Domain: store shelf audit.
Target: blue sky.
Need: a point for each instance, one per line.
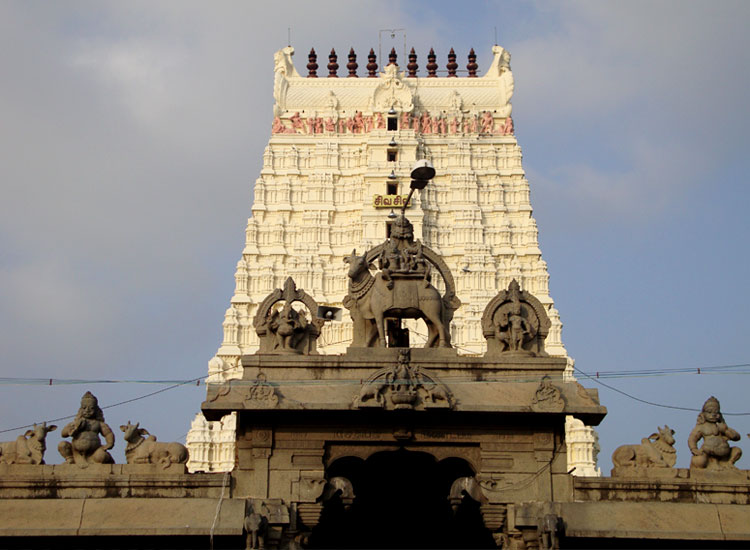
(132, 134)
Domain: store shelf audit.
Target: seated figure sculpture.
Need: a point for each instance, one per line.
(86, 447)
(715, 453)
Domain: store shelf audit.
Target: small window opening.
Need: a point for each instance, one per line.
(391, 189)
(388, 229)
(391, 156)
(392, 123)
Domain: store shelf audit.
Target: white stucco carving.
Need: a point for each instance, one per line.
(328, 156)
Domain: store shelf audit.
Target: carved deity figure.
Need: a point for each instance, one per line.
(402, 254)
(426, 123)
(487, 122)
(715, 453)
(359, 123)
(330, 125)
(297, 122)
(453, 125)
(506, 129)
(278, 126)
(288, 326)
(86, 447)
(405, 118)
(513, 330)
(379, 121)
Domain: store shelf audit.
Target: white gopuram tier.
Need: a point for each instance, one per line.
(338, 163)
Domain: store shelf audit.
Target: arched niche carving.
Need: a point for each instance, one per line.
(515, 323)
(287, 330)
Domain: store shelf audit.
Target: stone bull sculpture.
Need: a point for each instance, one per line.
(146, 450)
(655, 450)
(372, 299)
(27, 448)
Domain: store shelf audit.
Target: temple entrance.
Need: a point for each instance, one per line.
(401, 502)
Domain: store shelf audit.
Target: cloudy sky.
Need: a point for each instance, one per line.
(132, 132)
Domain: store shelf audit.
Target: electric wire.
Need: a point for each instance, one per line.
(484, 379)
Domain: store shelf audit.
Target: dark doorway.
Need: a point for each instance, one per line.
(401, 502)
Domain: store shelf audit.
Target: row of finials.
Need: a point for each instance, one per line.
(372, 66)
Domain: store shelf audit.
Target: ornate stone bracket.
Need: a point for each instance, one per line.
(286, 330)
(404, 387)
(392, 93)
(515, 323)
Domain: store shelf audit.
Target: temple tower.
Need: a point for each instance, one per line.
(336, 167)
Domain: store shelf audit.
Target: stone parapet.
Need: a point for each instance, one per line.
(667, 485)
(69, 481)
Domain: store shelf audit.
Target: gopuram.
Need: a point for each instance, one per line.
(337, 168)
(393, 442)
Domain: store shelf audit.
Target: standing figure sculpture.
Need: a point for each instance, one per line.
(715, 453)
(86, 447)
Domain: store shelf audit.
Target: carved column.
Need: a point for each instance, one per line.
(544, 446)
(262, 441)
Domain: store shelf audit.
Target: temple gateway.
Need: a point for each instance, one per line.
(392, 373)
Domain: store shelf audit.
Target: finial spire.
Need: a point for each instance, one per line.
(472, 65)
(312, 66)
(452, 65)
(432, 65)
(372, 66)
(392, 57)
(352, 65)
(333, 66)
(412, 66)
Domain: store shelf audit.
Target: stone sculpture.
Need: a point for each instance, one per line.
(261, 393)
(403, 386)
(86, 447)
(654, 451)
(255, 526)
(27, 448)
(286, 330)
(506, 129)
(547, 397)
(515, 323)
(715, 453)
(146, 450)
(401, 290)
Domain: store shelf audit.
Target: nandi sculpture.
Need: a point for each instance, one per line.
(27, 448)
(401, 290)
(146, 450)
(655, 451)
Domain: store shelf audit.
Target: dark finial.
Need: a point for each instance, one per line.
(392, 57)
(412, 66)
(352, 65)
(332, 65)
(372, 66)
(312, 66)
(452, 65)
(432, 65)
(472, 66)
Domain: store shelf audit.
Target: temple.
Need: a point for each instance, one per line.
(371, 392)
(335, 170)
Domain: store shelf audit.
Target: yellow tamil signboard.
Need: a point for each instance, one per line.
(390, 201)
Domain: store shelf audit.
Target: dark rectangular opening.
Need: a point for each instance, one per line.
(392, 123)
(391, 156)
(391, 189)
